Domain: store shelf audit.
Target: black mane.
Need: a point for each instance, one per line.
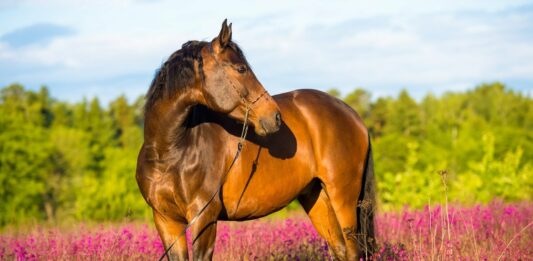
(178, 71)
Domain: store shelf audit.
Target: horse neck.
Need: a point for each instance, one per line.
(165, 129)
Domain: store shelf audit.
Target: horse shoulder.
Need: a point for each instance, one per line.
(155, 184)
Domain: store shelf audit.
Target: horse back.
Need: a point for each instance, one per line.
(338, 135)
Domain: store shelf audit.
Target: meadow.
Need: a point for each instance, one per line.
(497, 231)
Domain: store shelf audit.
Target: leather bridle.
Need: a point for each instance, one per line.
(248, 104)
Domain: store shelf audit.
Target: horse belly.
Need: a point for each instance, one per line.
(261, 190)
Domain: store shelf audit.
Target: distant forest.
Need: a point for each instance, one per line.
(62, 161)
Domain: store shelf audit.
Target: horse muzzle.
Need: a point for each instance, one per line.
(269, 125)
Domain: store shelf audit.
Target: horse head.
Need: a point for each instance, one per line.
(230, 86)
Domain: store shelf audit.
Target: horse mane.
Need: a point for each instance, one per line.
(178, 71)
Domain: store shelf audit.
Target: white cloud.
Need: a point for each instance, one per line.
(380, 39)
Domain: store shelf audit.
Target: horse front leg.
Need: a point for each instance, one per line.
(170, 232)
(204, 231)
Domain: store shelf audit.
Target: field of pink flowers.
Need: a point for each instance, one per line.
(497, 231)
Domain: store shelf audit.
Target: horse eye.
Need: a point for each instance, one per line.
(242, 69)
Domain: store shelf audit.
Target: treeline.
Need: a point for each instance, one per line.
(479, 141)
(61, 161)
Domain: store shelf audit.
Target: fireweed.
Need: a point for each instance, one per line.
(497, 230)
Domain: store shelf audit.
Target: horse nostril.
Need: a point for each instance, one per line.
(278, 119)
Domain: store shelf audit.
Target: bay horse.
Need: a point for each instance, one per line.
(305, 145)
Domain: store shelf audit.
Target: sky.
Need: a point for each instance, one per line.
(108, 48)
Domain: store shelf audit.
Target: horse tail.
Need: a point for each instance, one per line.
(366, 208)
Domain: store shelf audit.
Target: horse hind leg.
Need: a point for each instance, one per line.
(343, 199)
(317, 206)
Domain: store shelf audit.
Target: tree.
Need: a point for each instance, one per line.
(404, 116)
(334, 92)
(359, 99)
(25, 157)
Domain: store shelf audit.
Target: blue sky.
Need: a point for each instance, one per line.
(107, 48)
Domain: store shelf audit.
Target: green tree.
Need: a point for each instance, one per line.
(334, 92)
(26, 156)
(359, 99)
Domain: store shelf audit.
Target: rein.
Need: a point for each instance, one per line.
(242, 138)
(244, 132)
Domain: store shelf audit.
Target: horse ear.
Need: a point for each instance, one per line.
(224, 37)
